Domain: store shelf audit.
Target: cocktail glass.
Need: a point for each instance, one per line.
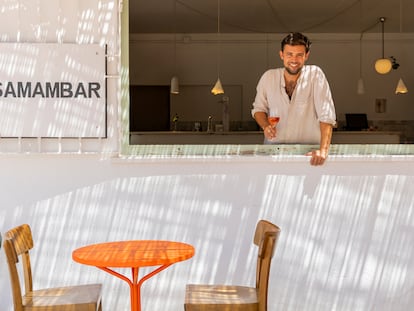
(273, 120)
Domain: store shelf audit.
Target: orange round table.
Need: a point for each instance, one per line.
(133, 254)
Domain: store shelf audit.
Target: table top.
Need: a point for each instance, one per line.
(134, 253)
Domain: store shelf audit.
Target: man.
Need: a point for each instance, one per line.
(300, 96)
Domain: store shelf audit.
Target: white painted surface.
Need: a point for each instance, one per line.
(347, 228)
(52, 90)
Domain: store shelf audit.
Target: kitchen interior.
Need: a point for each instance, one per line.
(179, 50)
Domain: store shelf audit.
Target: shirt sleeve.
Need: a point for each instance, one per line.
(324, 104)
(260, 102)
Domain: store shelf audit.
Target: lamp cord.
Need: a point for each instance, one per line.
(175, 37)
(382, 22)
(218, 38)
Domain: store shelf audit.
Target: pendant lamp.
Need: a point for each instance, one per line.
(360, 86)
(383, 65)
(174, 88)
(174, 85)
(218, 88)
(401, 88)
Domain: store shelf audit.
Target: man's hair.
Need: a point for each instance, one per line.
(296, 38)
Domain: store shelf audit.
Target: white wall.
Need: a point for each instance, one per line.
(347, 240)
(347, 227)
(244, 57)
(78, 21)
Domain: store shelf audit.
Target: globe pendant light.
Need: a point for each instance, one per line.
(383, 65)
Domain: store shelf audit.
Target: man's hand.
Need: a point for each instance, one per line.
(318, 157)
(269, 132)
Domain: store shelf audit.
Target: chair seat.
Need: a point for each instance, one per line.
(220, 297)
(71, 298)
(206, 297)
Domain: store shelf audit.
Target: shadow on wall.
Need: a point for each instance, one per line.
(343, 246)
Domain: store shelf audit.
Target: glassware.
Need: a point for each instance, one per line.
(273, 120)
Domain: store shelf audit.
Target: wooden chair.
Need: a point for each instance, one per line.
(17, 244)
(239, 298)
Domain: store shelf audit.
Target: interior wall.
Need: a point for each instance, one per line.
(244, 57)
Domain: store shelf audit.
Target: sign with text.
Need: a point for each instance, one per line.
(52, 90)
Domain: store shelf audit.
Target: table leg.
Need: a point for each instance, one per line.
(135, 284)
(135, 291)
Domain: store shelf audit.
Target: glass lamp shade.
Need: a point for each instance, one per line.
(218, 88)
(383, 66)
(175, 89)
(401, 88)
(360, 87)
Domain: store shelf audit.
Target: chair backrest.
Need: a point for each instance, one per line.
(265, 238)
(17, 243)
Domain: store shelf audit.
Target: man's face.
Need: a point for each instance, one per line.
(294, 58)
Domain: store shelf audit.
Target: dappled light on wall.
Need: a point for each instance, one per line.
(29, 27)
(339, 232)
(52, 90)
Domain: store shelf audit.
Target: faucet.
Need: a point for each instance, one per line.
(175, 122)
(210, 124)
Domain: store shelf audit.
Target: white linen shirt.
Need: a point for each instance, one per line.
(310, 104)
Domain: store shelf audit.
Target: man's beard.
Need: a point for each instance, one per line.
(293, 72)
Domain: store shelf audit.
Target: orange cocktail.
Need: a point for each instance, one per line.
(273, 121)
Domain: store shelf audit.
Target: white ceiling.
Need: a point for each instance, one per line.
(273, 16)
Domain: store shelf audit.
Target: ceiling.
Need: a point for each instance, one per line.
(270, 16)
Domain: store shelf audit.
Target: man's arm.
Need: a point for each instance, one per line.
(326, 136)
(318, 157)
(261, 119)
